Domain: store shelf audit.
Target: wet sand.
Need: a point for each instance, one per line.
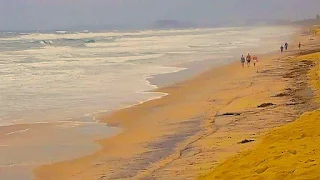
(198, 124)
(26, 146)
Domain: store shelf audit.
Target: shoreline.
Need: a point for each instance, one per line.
(18, 128)
(153, 81)
(33, 115)
(110, 154)
(15, 129)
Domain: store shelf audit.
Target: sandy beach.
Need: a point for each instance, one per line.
(198, 124)
(290, 151)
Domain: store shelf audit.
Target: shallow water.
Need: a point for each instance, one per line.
(23, 150)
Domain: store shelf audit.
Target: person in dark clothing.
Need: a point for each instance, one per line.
(286, 46)
(248, 59)
(299, 45)
(243, 60)
(281, 48)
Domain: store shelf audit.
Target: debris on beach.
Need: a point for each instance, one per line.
(265, 105)
(231, 114)
(283, 94)
(246, 141)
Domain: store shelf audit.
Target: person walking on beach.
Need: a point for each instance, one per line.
(281, 48)
(248, 59)
(255, 60)
(299, 45)
(243, 60)
(286, 46)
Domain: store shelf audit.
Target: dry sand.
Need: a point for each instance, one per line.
(291, 151)
(199, 124)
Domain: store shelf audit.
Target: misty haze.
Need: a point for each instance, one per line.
(58, 14)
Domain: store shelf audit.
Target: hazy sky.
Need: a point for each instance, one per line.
(51, 14)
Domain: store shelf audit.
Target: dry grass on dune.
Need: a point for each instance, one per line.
(288, 152)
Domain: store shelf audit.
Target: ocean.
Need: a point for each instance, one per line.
(61, 76)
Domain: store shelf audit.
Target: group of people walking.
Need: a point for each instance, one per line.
(255, 58)
(286, 45)
(248, 60)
